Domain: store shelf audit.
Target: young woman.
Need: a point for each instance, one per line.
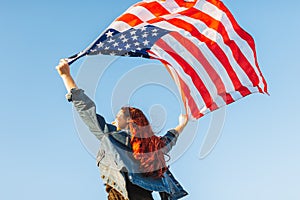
(131, 157)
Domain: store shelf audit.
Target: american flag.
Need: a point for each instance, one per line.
(210, 57)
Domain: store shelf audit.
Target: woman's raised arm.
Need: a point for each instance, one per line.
(63, 70)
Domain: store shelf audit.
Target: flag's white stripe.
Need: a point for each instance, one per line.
(197, 66)
(215, 63)
(209, 9)
(171, 6)
(144, 14)
(141, 12)
(120, 26)
(221, 16)
(188, 111)
(123, 26)
(194, 92)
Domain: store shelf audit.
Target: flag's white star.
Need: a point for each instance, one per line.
(109, 33)
(136, 44)
(138, 49)
(154, 34)
(143, 28)
(112, 53)
(135, 37)
(116, 44)
(120, 49)
(122, 36)
(100, 45)
(146, 42)
(127, 46)
(124, 40)
(106, 48)
(154, 30)
(132, 32)
(110, 40)
(145, 35)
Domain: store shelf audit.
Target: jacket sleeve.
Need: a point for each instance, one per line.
(170, 139)
(86, 109)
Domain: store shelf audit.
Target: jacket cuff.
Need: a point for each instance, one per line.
(71, 95)
(174, 132)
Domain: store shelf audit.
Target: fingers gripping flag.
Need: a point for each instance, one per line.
(210, 57)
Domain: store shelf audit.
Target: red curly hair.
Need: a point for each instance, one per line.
(145, 144)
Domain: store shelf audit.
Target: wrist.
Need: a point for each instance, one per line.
(65, 76)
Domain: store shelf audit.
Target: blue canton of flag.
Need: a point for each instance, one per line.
(133, 42)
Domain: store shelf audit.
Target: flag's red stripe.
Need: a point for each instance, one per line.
(194, 50)
(215, 49)
(236, 52)
(242, 33)
(188, 69)
(183, 3)
(154, 7)
(130, 19)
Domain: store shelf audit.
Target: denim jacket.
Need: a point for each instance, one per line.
(115, 157)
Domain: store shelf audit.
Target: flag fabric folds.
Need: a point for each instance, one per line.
(210, 57)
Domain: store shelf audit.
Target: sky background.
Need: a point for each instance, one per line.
(42, 154)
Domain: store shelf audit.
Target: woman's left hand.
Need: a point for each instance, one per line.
(183, 120)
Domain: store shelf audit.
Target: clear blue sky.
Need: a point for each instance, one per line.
(42, 156)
